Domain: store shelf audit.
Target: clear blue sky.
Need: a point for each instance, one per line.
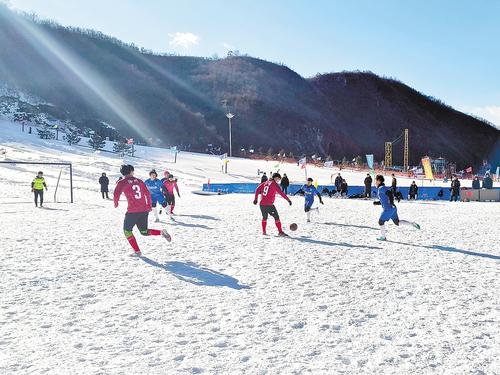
(449, 49)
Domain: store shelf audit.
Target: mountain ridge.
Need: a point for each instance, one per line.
(90, 78)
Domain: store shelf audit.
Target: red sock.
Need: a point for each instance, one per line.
(132, 241)
(172, 208)
(264, 224)
(154, 232)
(278, 225)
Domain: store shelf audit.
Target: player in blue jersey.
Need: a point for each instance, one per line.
(390, 212)
(309, 191)
(155, 187)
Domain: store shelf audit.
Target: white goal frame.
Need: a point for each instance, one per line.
(48, 163)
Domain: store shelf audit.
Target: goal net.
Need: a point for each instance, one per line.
(18, 175)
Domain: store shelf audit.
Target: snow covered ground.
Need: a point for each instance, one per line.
(222, 299)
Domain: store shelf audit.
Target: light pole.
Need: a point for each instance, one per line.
(229, 117)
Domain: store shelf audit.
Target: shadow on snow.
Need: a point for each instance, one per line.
(204, 217)
(52, 209)
(194, 274)
(351, 225)
(180, 223)
(451, 250)
(326, 243)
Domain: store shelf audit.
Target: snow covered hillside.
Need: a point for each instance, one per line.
(223, 299)
(193, 169)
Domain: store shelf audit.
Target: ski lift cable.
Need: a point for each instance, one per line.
(398, 138)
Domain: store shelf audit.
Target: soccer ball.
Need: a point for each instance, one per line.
(293, 227)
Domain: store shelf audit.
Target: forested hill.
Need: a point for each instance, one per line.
(87, 79)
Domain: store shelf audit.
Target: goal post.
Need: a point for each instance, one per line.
(52, 164)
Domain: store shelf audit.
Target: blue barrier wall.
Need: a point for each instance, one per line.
(427, 193)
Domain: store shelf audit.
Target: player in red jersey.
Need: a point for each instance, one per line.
(169, 185)
(268, 190)
(139, 205)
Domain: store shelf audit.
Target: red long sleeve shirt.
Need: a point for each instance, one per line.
(170, 186)
(136, 192)
(268, 190)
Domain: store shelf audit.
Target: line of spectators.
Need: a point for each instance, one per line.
(487, 182)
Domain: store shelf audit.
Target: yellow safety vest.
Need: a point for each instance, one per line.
(38, 183)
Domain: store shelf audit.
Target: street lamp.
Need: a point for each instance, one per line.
(229, 117)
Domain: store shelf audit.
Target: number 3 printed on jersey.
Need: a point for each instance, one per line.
(137, 190)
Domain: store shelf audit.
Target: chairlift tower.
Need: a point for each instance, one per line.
(388, 155)
(406, 152)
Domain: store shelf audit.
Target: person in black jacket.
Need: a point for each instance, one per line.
(285, 182)
(475, 183)
(104, 182)
(338, 183)
(487, 182)
(264, 178)
(394, 184)
(343, 188)
(455, 189)
(413, 194)
(368, 186)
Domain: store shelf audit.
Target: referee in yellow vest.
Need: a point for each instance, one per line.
(37, 187)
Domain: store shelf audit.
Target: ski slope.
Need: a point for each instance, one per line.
(223, 299)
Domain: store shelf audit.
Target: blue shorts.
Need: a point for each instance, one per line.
(307, 205)
(389, 214)
(158, 199)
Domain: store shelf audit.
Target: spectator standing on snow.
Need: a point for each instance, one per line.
(343, 188)
(394, 184)
(104, 182)
(264, 178)
(455, 189)
(285, 183)
(338, 183)
(368, 186)
(37, 186)
(487, 182)
(413, 194)
(476, 184)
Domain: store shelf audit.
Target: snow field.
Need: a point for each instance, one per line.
(223, 299)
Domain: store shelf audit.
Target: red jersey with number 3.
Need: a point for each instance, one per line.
(136, 192)
(268, 191)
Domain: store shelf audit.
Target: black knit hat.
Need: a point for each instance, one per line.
(126, 169)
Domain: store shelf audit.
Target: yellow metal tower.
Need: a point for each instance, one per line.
(406, 152)
(388, 155)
